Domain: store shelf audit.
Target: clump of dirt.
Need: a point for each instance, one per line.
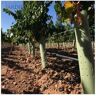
(22, 74)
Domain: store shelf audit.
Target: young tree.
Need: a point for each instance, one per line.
(34, 18)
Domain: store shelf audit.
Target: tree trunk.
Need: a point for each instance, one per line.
(85, 55)
(42, 53)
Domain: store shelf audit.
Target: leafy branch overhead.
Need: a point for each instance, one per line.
(67, 10)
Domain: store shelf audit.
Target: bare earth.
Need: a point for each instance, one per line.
(22, 74)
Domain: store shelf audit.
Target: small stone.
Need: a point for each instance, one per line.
(3, 87)
(14, 83)
(56, 86)
(68, 75)
(11, 72)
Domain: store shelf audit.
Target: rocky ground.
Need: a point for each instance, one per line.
(22, 74)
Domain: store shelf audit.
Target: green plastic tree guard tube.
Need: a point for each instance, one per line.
(43, 55)
(85, 55)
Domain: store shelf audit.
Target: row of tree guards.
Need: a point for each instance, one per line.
(63, 45)
(33, 24)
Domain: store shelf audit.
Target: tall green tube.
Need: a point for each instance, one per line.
(43, 54)
(85, 55)
(28, 48)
